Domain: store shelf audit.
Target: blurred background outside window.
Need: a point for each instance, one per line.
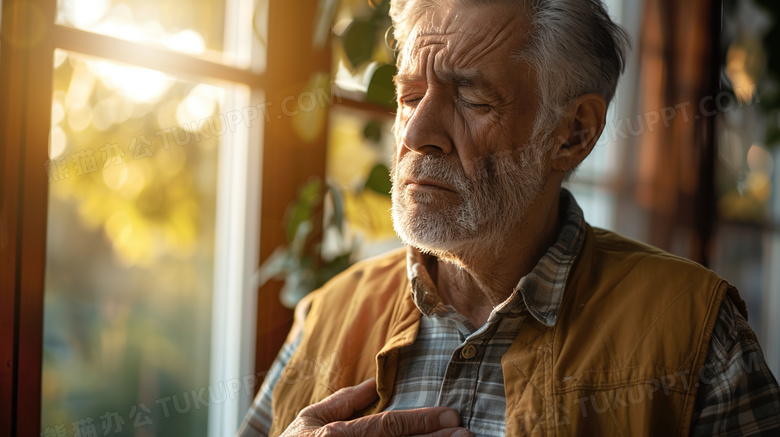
(150, 221)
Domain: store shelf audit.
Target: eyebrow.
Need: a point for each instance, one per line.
(461, 79)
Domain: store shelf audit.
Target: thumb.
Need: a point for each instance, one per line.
(344, 403)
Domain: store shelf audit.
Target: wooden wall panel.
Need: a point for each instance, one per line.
(288, 159)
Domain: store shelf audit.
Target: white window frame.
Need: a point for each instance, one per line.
(237, 248)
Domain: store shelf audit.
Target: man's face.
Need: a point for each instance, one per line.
(465, 167)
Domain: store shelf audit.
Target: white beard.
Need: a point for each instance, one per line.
(484, 213)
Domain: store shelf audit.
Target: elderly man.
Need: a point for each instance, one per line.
(507, 314)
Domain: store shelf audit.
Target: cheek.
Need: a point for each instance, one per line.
(479, 137)
(398, 132)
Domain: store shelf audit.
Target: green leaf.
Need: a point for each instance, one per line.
(373, 131)
(338, 208)
(299, 213)
(381, 10)
(309, 196)
(275, 267)
(311, 192)
(379, 180)
(359, 39)
(297, 285)
(298, 243)
(381, 89)
(772, 136)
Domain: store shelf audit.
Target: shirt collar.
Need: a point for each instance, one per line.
(540, 291)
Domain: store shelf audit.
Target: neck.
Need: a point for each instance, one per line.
(474, 280)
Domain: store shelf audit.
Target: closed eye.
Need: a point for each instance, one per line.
(470, 104)
(411, 101)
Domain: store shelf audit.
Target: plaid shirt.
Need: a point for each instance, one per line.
(456, 365)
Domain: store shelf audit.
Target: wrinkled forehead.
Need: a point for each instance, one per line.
(469, 32)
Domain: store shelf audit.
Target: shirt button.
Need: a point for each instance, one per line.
(468, 352)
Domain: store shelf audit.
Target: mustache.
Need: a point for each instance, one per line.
(438, 168)
(515, 163)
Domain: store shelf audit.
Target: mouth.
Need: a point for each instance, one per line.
(428, 184)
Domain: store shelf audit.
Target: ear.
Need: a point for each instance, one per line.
(578, 132)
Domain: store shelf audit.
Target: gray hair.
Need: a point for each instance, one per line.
(574, 47)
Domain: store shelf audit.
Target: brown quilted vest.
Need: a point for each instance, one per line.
(622, 360)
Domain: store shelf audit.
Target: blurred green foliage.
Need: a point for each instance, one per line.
(367, 34)
(301, 264)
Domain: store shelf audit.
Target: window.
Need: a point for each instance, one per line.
(150, 240)
(594, 183)
(130, 224)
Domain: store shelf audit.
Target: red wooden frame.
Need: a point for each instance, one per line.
(25, 110)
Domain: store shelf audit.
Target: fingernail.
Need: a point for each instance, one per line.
(462, 433)
(448, 419)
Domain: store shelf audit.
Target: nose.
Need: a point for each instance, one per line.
(426, 130)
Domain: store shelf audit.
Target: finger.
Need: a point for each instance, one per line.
(410, 422)
(448, 432)
(344, 403)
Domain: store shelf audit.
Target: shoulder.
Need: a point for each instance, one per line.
(385, 263)
(613, 269)
(622, 259)
(646, 307)
(380, 268)
(376, 279)
(609, 243)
